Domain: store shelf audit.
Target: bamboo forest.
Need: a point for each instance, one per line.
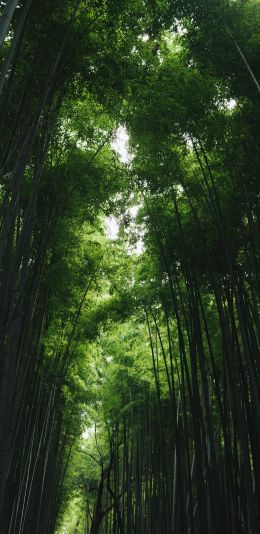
(129, 267)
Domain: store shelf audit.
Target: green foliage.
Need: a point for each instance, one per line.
(134, 375)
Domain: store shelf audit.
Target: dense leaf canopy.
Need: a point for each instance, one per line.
(129, 363)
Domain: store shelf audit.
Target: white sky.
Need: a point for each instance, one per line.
(89, 431)
(231, 104)
(120, 146)
(112, 227)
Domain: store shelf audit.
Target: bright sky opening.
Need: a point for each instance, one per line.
(112, 226)
(120, 145)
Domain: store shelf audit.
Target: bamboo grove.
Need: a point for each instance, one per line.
(129, 379)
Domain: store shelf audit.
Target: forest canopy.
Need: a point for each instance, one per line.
(129, 267)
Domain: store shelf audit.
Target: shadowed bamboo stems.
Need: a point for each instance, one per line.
(182, 424)
(213, 463)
